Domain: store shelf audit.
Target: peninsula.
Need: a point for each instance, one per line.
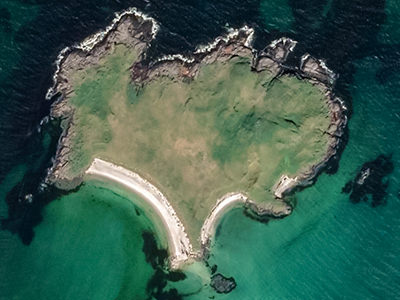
(193, 135)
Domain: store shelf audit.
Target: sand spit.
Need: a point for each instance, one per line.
(178, 242)
(180, 247)
(223, 204)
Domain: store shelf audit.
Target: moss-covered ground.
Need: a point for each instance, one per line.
(229, 129)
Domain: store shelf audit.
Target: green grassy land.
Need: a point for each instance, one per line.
(228, 130)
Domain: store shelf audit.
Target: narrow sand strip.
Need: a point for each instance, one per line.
(180, 246)
(223, 203)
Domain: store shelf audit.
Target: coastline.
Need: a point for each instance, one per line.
(236, 41)
(181, 250)
(224, 203)
(180, 247)
(92, 41)
(272, 58)
(223, 48)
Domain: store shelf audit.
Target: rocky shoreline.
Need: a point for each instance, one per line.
(130, 28)
(271, 58)
(133, 29)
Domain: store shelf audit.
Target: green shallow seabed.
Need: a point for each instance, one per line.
(89, 246)
(328, 248)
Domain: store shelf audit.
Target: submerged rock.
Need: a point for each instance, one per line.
(370, 182)
(222, 284)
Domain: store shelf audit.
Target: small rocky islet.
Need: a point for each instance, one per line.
(226, 118)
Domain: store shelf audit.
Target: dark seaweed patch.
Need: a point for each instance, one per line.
(346, 32)
(157, 258)
(214, 269)
(137, 211)
(26, 199)
(371, 181)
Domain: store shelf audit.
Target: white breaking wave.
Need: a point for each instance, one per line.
(283, 40)
(173, 57)
(232, 34)
(321, 63)
(90, 42)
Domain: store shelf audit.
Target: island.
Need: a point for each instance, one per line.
(195, 134)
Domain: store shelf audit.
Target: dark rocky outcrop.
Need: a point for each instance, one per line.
(222, 284)
(263, 213)
(370, 183)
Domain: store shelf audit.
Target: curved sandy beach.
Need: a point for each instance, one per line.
(223, 203)
(179, 244)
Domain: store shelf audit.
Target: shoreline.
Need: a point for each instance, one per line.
(224, 47)
(178, 241)
(211, 222)
(89, 43)
(179, 245)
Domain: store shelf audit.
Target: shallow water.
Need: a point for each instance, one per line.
(89, 246)
(328, 248)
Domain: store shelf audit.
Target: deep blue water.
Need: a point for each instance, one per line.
(330, 247)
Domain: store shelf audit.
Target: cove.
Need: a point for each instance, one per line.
(89, 246)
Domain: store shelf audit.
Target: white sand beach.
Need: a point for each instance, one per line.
(179, 244)
(223, 203)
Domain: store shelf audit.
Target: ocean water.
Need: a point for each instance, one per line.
(329, 248)
(90, 244)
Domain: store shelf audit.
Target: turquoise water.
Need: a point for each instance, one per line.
(328, 248)
(89, 244)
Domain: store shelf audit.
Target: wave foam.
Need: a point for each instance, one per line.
(232, 34)
(90, 42)
(283, 40)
